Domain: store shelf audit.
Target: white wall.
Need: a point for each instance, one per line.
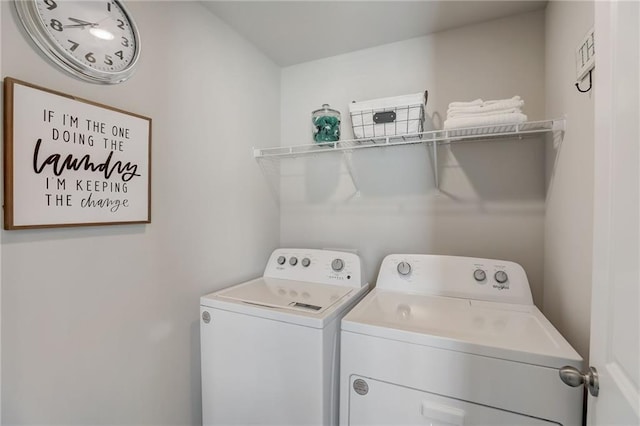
(1, 125)
(491, 202)
(569, 222)
(100, 324)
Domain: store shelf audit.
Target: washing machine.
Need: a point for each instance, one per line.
(270, 346)
(445, 340)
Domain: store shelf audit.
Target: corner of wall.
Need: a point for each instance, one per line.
(569, 177)
(1, 133)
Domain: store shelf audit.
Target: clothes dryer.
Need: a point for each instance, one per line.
(446, 340)
(270, 346)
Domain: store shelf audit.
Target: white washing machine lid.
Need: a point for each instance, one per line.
(506, 331)
(300, 302)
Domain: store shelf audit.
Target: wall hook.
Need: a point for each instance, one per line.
(590, 84)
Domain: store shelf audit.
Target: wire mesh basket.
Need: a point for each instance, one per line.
(395, 116)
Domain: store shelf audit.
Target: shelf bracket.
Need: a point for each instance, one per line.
(432, 152)
(434, 164)
(348, 161)
(558, 125)
(272, 176)
(558, 128)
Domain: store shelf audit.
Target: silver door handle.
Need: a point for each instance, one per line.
(574, 378)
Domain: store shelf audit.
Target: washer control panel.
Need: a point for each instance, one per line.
(318, 266)
(456, 276)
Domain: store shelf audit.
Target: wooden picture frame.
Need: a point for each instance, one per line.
(72, 162)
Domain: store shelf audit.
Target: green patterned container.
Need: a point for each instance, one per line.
(325, 124)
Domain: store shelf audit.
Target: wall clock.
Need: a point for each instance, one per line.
(96, 41)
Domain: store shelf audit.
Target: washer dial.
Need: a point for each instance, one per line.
(501, 277)
(479, 275)
(404, 268)
(337, 265)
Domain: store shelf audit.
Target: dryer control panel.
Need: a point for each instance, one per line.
(316, 266)
(456, 276)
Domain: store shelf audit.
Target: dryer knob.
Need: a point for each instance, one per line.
(306, 262)
(479, 275)
(293, 261)
(404, 268)
(281, 260)
(337, 265)
(501, 277)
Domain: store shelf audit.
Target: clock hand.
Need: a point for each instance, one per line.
(80, 23)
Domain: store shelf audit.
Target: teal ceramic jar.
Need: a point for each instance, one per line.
(326, 124)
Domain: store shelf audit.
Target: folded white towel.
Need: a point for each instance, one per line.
(515, 98)
(495, 107)
(476, 102)
(488, 120)
(513, 102)
(462, 114)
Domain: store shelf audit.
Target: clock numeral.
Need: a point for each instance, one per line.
(108, 6)
(74, 45)
(107, 60)
(50, 4)
(56, 25)
(125, 42)
(121, 24)
(119, 54)
(89, 57)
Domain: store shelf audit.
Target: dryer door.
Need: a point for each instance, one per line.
(372, 402)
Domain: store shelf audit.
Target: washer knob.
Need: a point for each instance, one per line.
(293, 261)
(337, 265)
(306, 262)
(479, 275)
(281, 260)
(501, 277)
(404, 268)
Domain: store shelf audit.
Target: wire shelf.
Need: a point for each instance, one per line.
(438, 137)
(431, 139)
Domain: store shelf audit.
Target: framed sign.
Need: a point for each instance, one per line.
(72, 162)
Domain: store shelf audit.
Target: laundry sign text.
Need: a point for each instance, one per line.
(72, 162)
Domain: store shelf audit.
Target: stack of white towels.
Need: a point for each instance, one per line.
(484, 113)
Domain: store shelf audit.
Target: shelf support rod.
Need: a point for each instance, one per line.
(434, 164)
(272, 184)
(349, 163)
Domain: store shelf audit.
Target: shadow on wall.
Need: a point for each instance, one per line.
(380, 172)
(500, 170)
(508, 170)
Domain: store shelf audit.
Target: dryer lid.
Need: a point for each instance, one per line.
(508, 331)
(287, 295)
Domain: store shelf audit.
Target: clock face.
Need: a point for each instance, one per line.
(94, 40)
